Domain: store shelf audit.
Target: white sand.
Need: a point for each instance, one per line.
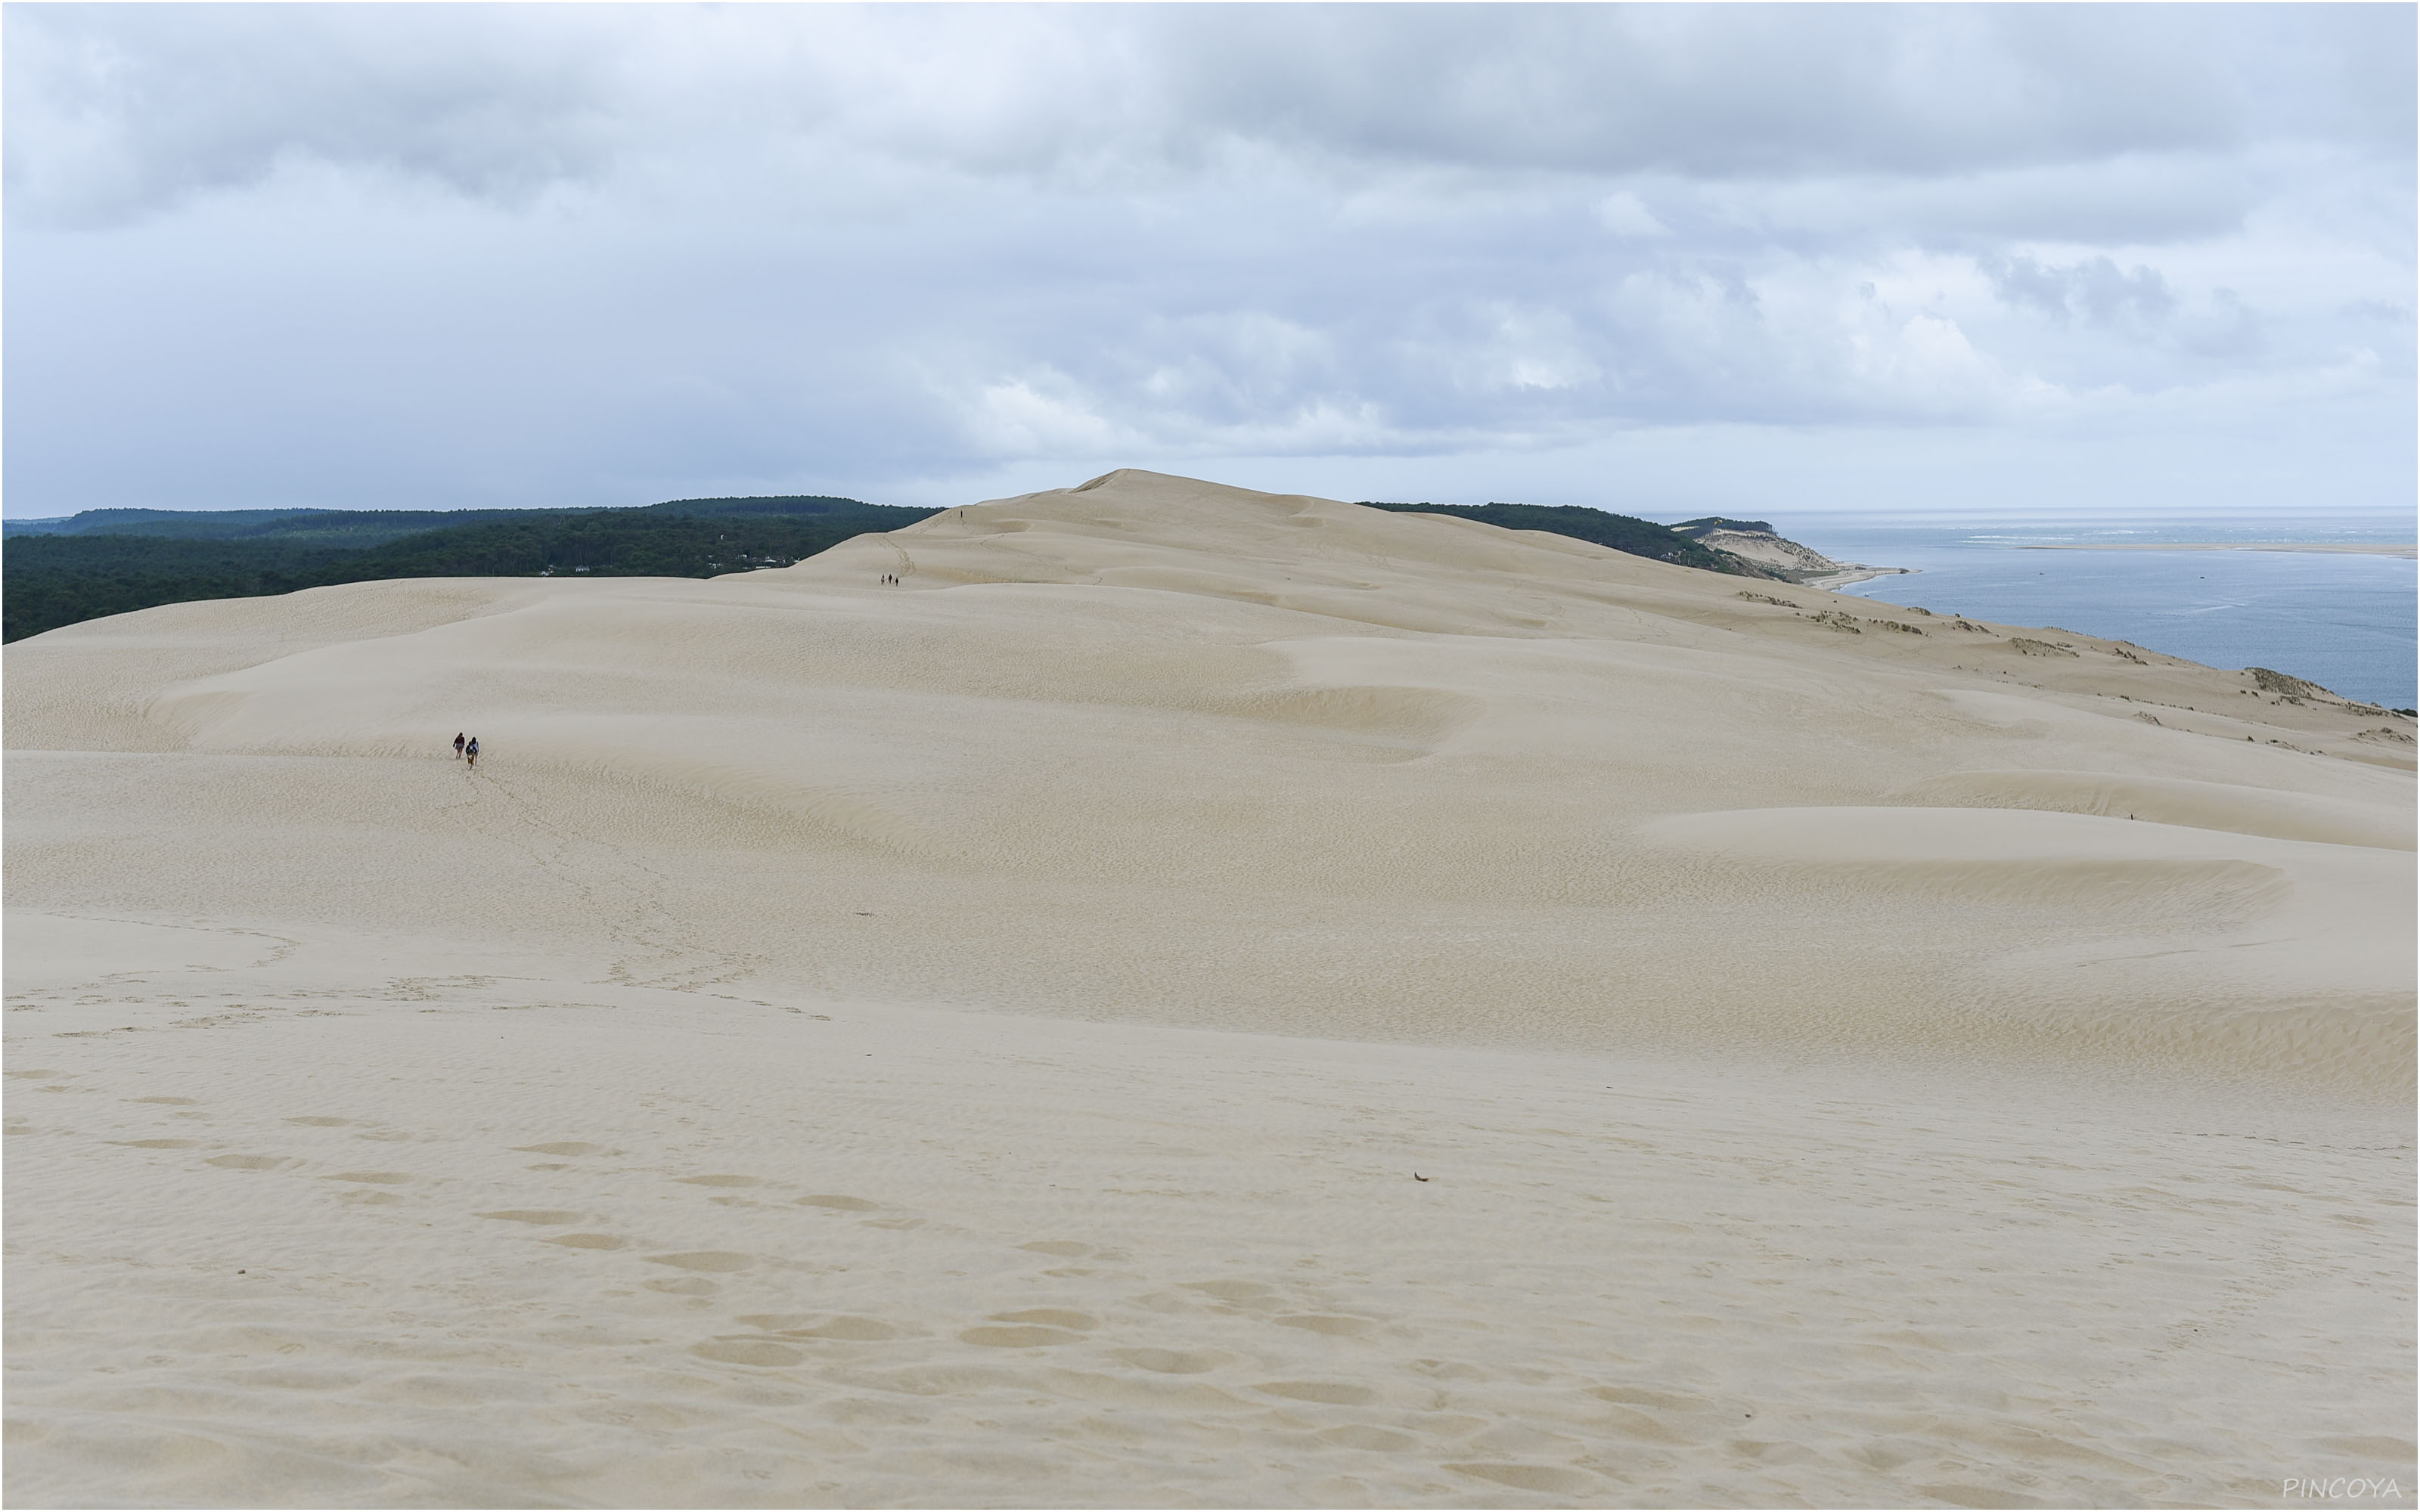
(2341, 547)
(970, 1042)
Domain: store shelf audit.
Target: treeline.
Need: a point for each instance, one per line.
(335, 528)
(1638, 537)
(141, 561)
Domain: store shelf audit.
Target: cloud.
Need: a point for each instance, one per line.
(453, 253)
(120, 112)
(116, 111)
(1624, 214)
(2095, 290)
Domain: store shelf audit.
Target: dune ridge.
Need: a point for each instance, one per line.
(1035, 982)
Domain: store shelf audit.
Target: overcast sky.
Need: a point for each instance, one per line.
(1972, 262)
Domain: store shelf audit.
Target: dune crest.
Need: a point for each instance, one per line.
(1225, 707)
(2173, 800)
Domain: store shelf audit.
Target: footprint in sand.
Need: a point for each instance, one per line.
(1174, 1361)
(565, 1147)
(1064, 1248)
(1669, 1401)
(705, 1260)
(719, 1181)
(156, 1144)
(1551, 1479)
(537, 1215)
(747, 1351)
(1018, 1339)
(844, 1326)
(1363, 1436)
(827, 1199)
(1250, 1294)
(172, 1102)
(1054, 1317)
(1333, 1393)
(1327, 1323)
(375, 1178)
(1031, 1328)
(847, 1327)
(589, 1241)
(247, 1163)
(687, 1285)
(316, 1121)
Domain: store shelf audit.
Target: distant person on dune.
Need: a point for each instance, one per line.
(457, 745)
(471, 751)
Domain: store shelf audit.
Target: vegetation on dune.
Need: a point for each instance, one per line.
(2286, 684)
(337, 528)
(1695, 528)
(1637, 537)
(58, 578)
(662, 541)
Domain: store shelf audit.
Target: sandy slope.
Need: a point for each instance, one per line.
(1767, 550)
(1863, 1055)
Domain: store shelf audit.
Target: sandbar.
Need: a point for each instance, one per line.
(2326, 548)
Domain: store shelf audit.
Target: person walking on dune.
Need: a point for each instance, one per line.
(457, 745)
(471, 751)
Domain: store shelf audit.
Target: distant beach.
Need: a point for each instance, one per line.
(1855, 574)
(2354, 548)
(2337, 611)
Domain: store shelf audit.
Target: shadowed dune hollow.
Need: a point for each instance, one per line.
(1159, 870)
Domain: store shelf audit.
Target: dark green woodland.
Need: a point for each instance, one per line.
(1637, 537)
(136, 559)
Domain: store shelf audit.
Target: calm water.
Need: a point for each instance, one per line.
(2344, 622)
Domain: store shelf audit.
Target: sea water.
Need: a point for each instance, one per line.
(2344, 620)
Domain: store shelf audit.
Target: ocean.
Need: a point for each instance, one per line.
(2343, 621)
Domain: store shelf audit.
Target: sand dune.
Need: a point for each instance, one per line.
(1864, 1056)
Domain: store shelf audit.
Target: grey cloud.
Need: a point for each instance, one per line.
(2390, 313)
(483, 254)
(118, 110)
(2096, 290)
(2132, 198)
(2230, 328)
(115, 109)
(1721, 90)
